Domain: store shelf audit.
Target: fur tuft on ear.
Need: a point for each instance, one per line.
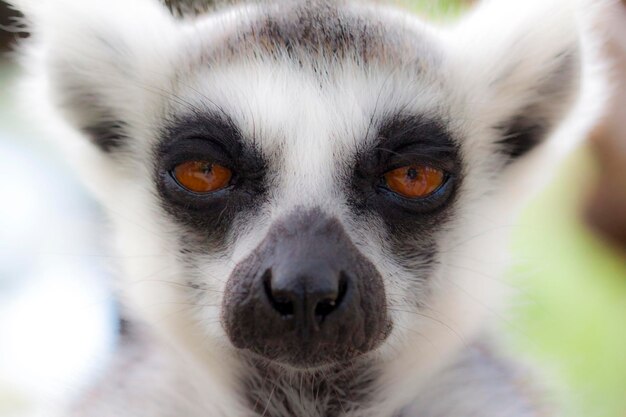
(521, 66)
(90, 56)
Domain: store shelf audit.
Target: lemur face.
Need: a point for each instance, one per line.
(315, 173)
(305, 184)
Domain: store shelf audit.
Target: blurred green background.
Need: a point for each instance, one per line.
(571, 312)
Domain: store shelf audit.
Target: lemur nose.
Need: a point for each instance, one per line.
(306, 295)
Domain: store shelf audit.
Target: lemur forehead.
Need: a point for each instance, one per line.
(313, 33)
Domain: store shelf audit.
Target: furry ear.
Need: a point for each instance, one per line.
(91, 57)
(520, 64)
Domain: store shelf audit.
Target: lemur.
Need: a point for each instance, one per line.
(310, 199)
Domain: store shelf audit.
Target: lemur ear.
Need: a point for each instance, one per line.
(520, 68)
(88, 58)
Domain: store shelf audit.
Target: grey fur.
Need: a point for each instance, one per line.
(479, 382)
(189, 8)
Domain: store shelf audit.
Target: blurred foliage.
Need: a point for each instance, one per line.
(574, 310)
(437, 9)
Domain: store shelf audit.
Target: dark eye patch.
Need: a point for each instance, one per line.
(409, 139)
(218, 130)
(215, 139)
(411, 225)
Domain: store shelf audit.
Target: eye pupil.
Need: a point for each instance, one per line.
(411, 173)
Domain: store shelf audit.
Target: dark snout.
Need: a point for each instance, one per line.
(306, 296)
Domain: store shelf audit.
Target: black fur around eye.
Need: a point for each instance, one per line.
(179, 187)
(407, 146)
(206, 175)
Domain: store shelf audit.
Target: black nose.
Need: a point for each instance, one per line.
(306, 296)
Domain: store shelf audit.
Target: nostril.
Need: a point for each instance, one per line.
(282, 304)
(328, 305)
(324, 308)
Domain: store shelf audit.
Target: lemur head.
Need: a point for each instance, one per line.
(305, 183)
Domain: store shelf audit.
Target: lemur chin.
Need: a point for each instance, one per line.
(310, 199)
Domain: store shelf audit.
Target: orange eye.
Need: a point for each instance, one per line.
(202, 176)
(415, 181)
